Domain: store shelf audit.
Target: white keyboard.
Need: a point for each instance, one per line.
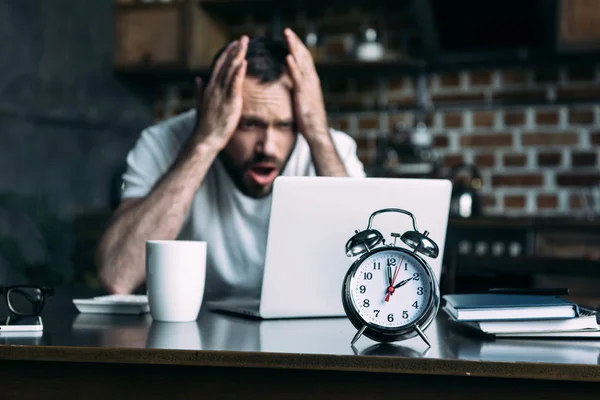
(113, 304)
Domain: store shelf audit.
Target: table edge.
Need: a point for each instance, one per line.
(303, 361)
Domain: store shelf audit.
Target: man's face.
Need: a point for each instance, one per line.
(264, 139)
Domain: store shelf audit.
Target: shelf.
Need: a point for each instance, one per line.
(330, 17)
(392, 65)
(227, 8)
(408, 66)
(538, 224)
(146, 6)
(170, 74)
(474, 265)
(158, 75)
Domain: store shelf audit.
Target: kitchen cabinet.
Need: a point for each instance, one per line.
(579, 25)
(172, 41)
(165, 35)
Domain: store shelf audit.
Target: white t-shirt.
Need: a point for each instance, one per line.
(233, 225)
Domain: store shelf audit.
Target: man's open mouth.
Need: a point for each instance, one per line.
(262, 170)
(263, 173)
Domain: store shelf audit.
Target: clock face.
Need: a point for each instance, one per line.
(390, 289)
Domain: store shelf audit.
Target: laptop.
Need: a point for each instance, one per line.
(311, 220)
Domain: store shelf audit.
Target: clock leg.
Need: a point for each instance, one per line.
(358, 334)
(425, 339)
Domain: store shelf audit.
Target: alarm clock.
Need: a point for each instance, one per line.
(390, 293)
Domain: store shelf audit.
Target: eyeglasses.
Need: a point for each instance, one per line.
(26, 300)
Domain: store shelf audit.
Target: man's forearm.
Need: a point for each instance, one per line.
(325, 156)
(159, 216)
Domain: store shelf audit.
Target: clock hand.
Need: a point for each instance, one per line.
(395, 274)
(390, 289)
(397, 270)
(402, 283)
(388, 292)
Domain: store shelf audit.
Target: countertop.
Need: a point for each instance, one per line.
(218, 339)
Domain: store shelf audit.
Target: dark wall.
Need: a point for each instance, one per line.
(66, 125)
(66, 122)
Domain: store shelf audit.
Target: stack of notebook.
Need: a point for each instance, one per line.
(522, 315)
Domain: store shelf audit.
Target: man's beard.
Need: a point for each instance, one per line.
(237, 173)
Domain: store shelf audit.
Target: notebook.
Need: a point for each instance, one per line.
(582, 334)
(495, 307)
(587, 321)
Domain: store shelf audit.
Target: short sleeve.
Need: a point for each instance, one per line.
(145, 165)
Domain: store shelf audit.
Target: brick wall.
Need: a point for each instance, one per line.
(533, 133)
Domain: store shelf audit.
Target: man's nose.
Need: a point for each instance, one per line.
(266, 141)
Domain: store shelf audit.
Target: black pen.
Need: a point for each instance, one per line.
(532, 291)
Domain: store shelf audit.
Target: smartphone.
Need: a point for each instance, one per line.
(11, 326)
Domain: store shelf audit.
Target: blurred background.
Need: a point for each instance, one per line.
(500, 96)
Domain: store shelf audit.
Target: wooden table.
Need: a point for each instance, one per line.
(224, 356)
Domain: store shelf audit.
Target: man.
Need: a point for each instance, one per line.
(208, 174)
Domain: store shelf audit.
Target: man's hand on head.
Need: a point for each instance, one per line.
(309, 106)
(219, 103)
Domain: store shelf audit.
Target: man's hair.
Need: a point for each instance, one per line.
(265, 58)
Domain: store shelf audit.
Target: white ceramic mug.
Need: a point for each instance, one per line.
(175, 277)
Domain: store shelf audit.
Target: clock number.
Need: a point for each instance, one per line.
(368, 276)
(406, 266)
(376, 313)
(366, 303)
(391, 262)
(376, 265)
(416, 304)
(419, 291)
(390, 317)
(405, 314)
(363, 289)
(416, 276)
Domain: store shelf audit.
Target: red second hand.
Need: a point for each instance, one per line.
(391, 288)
